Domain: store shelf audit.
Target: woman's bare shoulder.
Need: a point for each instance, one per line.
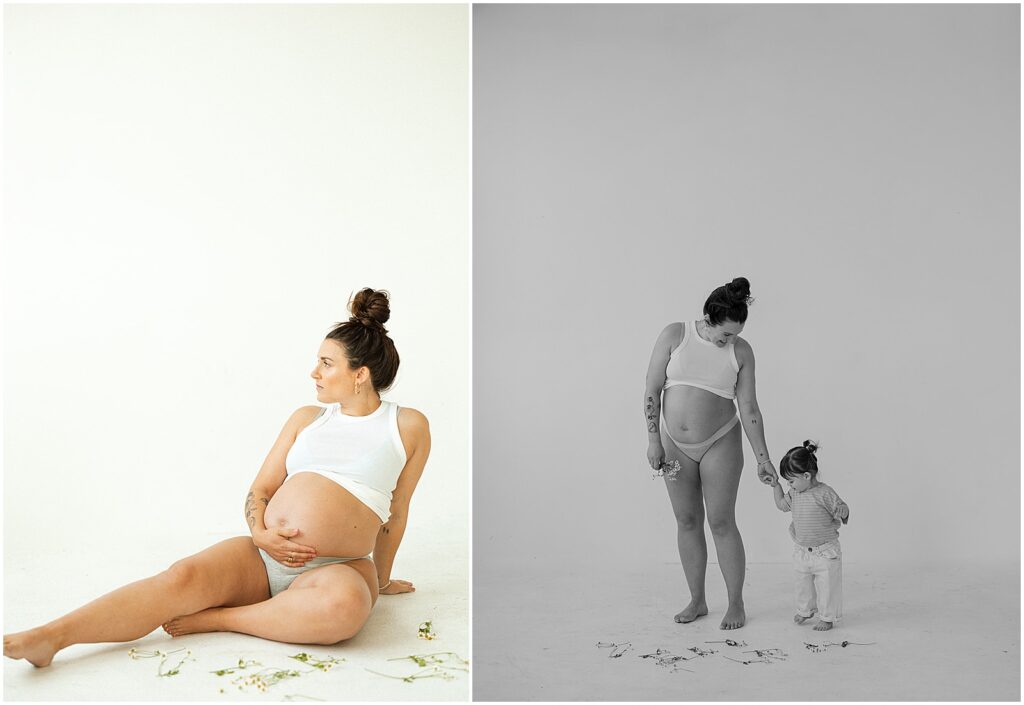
(412, 420)
(304, 416)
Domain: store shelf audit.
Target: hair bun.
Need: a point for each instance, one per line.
(811, 447)
(738, 289)
(370, 307)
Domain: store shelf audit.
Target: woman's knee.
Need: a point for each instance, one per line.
(722, 525)
(181, 575)
(344, 612)
(690, 520)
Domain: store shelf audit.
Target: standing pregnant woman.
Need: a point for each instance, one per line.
(697, 369)
(334, 488)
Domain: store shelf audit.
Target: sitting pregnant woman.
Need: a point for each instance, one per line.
(697, 369)
(334, 488)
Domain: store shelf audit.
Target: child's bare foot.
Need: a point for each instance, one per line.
(205, 621)
(35, 646)
(692, 611)
(822, 626)
(800, 619)
(735, 617)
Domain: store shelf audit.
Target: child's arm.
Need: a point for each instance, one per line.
(782, 500)
(840, 510)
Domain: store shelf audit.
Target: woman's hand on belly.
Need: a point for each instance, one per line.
(279, 545)
(332, 521)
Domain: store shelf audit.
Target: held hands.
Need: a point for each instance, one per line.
(396, 587)
(655, 454)
(278, 544)
(766, 473)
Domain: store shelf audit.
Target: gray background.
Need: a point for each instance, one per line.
(859, 164)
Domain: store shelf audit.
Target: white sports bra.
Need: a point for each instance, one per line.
(698, 363)
(363, 454)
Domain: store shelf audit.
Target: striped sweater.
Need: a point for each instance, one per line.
(817, 513)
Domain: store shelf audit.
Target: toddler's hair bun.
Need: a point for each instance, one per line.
(811, 446)
(370, 307)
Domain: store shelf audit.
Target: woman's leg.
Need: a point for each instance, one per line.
(322, 606)
(228, 573)
(688, 507)
(720, 470)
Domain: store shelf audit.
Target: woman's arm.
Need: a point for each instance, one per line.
(268, 480)
(750, 412)
(415, 433)
(652, 391)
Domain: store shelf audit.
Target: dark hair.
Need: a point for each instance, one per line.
(364, 338)
(799, 460)
(729, 302)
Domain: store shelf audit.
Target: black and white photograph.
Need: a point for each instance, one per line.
(746, 359)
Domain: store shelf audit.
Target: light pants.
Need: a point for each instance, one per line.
(819, 581)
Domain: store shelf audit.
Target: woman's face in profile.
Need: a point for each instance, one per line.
(332, 375)
(724, 333)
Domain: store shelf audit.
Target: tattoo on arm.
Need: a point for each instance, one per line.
(250, 507)
(652, 415)
(265, 501)
(384, 529)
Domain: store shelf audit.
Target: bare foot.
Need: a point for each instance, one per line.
(735, 617)
(822, 626)
(800, 619)
(205, 621)
(692, 611)
(35, 646)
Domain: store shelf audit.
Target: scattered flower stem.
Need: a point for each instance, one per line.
(135, 654)
(242, 665)
(324, 665)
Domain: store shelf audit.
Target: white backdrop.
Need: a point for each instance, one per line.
(858, 164)
(192, 193)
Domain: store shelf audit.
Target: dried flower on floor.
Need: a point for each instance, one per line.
(435, 659)
(769, 654)
(669, 469)
(266, 678)
(435, 665)
(824, 647)
(664, 657)
(324, 665)
(747, 663)
(426, 631)
(728, 642)
(242, 665)
(617, 649)
(702, 652)
(135, 654)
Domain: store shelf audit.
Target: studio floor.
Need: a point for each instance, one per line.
(37, 590)
(935, 633)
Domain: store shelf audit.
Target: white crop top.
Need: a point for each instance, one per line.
(363, 454)
(698, 363)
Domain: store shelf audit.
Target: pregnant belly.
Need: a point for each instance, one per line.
(693, 414)
(327, 516)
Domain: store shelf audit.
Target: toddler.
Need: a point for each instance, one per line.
(817, 556)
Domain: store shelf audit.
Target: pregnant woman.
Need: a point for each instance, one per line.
(334, 488)
(697, 369)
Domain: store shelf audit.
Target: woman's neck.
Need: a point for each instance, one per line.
(360, 404)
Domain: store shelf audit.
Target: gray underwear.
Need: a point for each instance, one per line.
(281, 576)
